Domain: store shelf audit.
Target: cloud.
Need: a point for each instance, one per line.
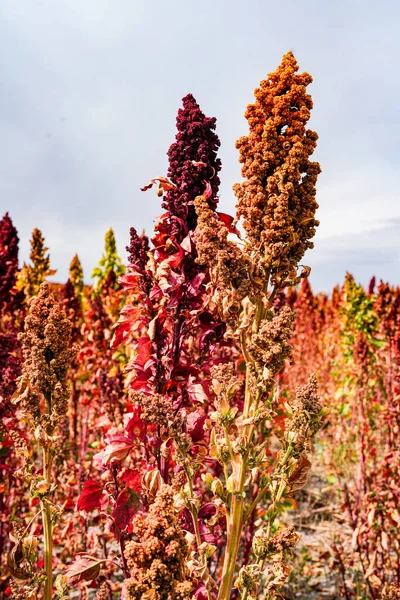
(375, 252)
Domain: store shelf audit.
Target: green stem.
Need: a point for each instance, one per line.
(276, 497)
(48, 551)
(228, 443)
(234, 532)
(235, 517)
(256, 500)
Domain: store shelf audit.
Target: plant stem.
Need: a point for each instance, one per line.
(234, 532)
(235, 517)
(256, 501)
(276, 493)
(195, 518)
(125, 569)
(47, 528)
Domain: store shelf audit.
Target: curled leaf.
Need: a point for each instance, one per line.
(195, 391)
(228, 221)
(299, 476)
(117, 449)
(15, 562)
(164, 184)
(84, 568)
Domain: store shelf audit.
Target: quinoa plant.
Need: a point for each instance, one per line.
(76, 275)
(109, 267)
(277, 203)
(33, 274)
(42, 398)
(12, 309)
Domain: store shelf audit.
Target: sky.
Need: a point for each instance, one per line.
(89, 91)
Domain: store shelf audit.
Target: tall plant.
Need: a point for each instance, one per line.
(277, 203)
(165, 325)
(42, 398)
(76, 275)
(110, 266)
(12, 310)
(33, 274)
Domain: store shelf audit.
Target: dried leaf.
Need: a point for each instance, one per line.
(164, 184)
(196, 391)
(299, 476)
(117, 449)
(84, 568)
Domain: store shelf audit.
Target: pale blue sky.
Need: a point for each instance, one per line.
(90, 90)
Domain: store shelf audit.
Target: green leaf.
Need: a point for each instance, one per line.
(344, 409)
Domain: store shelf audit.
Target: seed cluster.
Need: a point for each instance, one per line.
(157, 561)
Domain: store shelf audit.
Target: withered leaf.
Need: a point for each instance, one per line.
(299, 476)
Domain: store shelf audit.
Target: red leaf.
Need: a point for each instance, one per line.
(70, 504)
(121, 332)
(182, 372)
(195, 425)
(131, 479)
(208, 191)
(170, 280)
(156, 292)
(117, 449)
(176, 259)
(129, 281)
(143, 351)
(186, 244)
(227, 220)
(126, 506)
(194, 285)
(136, 427)
(90, 496)
(141, 382)
(196, 391)
(129, 321)
(84, 568)
(201, 592)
